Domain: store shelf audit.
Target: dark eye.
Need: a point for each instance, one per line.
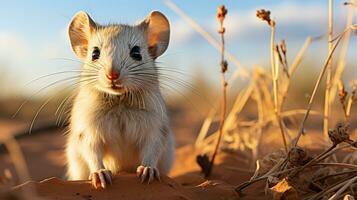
(135, 53)
(95, 53)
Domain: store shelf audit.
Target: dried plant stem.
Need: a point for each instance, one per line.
(275, 76)
(296, 62)
(323, 70)
(332, 188)
(272, 172)
(18, 159)
(342, 189)
(348, 109)
(205, 126)
(350, 101)
(222, 121)
(224, 90)
(275, 173)
(300, 55)
(259, 102)
(335, 150)
(313, 161)
(345, 165)
(319, 158)
(19, 162)
(335, 174)
(238, 106)
(341, 60)
(210, 39)
(212, 113)
(329, 73)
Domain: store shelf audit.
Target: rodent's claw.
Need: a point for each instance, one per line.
(147, 174)
(101, 178)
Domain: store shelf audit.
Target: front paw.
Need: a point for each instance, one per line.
(101, 178)
(147, 174)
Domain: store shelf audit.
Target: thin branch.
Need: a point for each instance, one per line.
(210, 39)
(323, 70)
(221, 13)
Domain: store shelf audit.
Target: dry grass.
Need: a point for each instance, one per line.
(21, 168)
(327, 104)
(294, 171)
(203, 160)
(296, 167)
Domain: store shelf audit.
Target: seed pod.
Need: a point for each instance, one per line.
(224, 66)
(265, 16)
(221, 13)
(298, 157)
(340, 134)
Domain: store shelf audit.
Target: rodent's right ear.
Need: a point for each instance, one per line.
(79, 31)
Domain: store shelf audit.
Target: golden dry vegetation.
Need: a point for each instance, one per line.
(263, 142)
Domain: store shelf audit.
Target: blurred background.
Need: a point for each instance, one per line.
(34, 43)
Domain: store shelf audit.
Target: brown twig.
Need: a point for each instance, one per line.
(207, 36)
(335, 174)
(240, 187)
(344, 187)
(335, 150)
(337, 136)
(332, 188)
(312, 161)
(323, 70)
(221, 14)
(265, 16)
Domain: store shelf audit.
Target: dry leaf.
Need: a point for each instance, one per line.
(283, 191)
(348, 197)
(270, 160)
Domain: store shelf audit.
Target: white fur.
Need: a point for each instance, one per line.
(109, 130)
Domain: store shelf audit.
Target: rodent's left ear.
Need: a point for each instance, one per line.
(157, 28)
(79, 31)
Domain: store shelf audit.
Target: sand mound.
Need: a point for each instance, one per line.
(186, 183)
(127, 186)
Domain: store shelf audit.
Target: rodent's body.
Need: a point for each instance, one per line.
(122, 134)
(119, 121)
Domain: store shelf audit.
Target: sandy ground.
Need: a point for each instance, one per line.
(44, 155)
(44, 152)
(185, 183)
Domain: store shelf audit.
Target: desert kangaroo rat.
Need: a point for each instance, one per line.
(118, 119)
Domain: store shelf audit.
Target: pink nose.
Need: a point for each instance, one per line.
(112, 75)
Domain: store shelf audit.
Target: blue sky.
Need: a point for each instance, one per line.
(33, 33)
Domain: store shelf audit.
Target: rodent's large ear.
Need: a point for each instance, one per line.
(79, 31)
(157, 28)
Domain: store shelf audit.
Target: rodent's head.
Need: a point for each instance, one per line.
(120, 57)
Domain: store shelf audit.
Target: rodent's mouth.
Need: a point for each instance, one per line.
(117, 87)
(112, 89)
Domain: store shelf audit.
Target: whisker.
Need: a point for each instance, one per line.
(47, 101)
(61, 72)
(43, 88)
(61, 107)
(166, 85)
(163, 85)
(165, 77)
(78, 61)
(131, 67)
